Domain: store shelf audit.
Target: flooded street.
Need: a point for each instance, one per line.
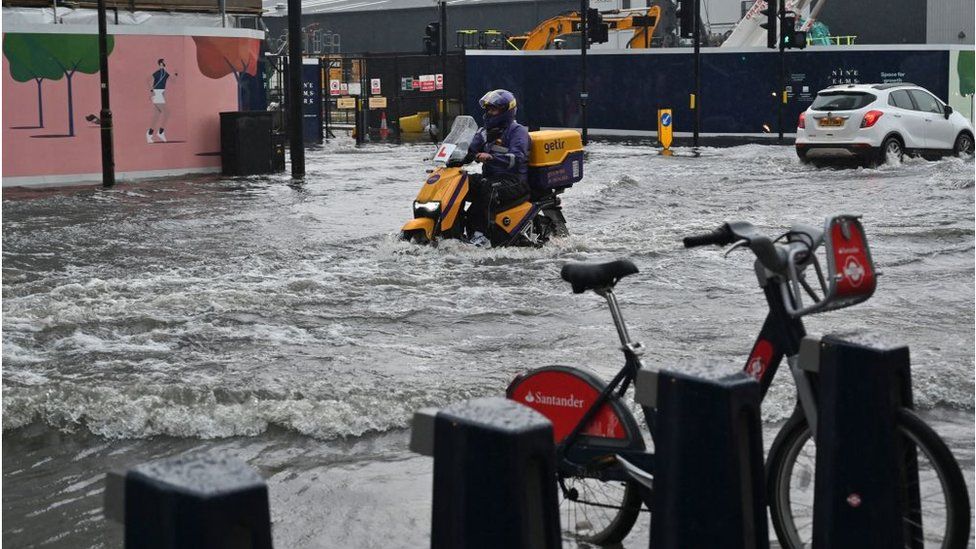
(287, 325)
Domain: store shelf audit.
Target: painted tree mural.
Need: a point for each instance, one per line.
(53, 56)
(966, 65)
(29, 61)
(74, 53)
(219, 56)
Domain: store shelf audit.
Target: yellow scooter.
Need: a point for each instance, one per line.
(555, 163)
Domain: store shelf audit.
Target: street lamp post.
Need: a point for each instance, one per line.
(782, 67)
(295, 103)
(584, 95)
(442, 46)
(697, 38)
(105, 115)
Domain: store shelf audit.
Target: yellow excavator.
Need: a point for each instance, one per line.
(563, 31)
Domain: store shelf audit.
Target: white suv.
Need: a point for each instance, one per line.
(873, 122)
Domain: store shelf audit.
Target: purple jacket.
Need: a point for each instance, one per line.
(509, 153)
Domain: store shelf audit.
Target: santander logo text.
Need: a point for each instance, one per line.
(564, 401)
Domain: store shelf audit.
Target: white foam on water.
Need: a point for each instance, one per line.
(211, 303)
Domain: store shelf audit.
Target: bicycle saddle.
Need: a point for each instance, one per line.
(595, 276)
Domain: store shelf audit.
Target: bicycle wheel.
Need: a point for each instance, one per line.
(591, 510)
(944, 501)
(596, 511)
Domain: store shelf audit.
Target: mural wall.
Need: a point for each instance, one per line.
(166, 95)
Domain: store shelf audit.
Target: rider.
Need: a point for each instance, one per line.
(503, 147)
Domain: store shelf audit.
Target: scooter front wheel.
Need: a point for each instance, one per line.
(414, 237)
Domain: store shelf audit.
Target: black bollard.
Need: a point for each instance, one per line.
(857, 499)
(494, 475)
(196, 501)
(708, 478)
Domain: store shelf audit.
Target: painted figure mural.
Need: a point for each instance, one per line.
(157, 96)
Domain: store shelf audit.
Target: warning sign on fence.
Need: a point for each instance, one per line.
(374, 86)
(427, 83)
(334, 87)
(439, 79)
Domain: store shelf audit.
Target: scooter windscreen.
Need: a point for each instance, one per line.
(455, 146)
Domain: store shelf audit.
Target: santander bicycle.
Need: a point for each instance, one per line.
(605, 473)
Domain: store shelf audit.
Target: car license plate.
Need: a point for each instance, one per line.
(831, 122)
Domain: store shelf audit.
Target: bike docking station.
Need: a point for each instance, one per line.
(864, 476)
(494, 471)
(191, 501)
(867, 490)
(708, 474)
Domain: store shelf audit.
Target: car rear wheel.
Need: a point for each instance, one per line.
(892, 149)
(964, 144)
(802, 155)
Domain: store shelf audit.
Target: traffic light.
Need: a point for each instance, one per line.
(686, 18)
(786, 32)
(792, 38)
(432, 38)
(597, 32)
(770, 24)
(799, 39)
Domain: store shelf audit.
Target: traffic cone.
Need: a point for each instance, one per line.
(384, 130)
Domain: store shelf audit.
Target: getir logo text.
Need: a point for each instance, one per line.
(554, 145)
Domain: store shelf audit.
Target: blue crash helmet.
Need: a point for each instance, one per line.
(505, 101)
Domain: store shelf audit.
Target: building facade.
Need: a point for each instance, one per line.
(387, 26)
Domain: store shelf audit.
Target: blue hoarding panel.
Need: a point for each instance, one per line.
(312, 103)
(739, 92)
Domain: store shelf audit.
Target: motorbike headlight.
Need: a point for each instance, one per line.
(427, 209)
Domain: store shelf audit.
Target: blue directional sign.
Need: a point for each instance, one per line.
(664, 129)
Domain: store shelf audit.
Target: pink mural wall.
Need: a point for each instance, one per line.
(183, 96)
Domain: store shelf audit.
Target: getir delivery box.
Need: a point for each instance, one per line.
(555, 159)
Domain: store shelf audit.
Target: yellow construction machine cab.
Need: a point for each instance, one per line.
(555, 159)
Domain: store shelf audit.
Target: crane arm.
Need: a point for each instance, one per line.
(642, 22)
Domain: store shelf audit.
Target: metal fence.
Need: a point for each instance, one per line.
(386, 97)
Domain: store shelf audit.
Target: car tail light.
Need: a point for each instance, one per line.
(802, 122)
(870, 118)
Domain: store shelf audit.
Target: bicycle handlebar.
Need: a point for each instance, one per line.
(769, 254)
(785, 261)
(720, 236)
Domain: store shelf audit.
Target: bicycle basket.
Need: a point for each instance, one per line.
(851, 276)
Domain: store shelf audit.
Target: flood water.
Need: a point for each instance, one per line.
(286, 325)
